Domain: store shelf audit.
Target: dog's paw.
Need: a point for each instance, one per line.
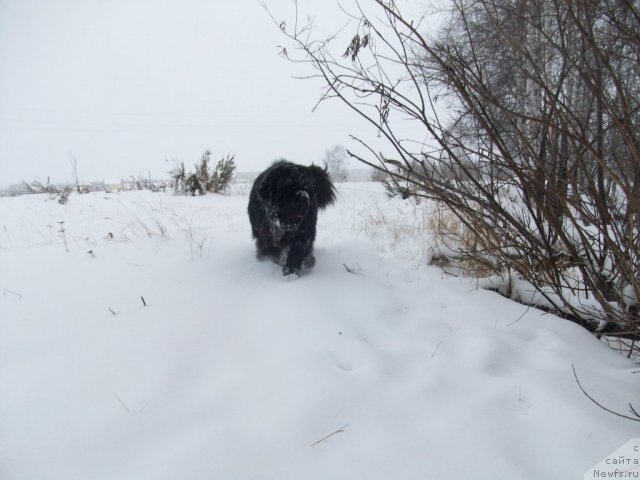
(290, 272)
(308, 262)
(282, 257)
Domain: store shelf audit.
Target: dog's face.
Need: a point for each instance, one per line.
(288, 203)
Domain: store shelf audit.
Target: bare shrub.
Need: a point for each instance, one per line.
(39, 187)
(531, 113)
(63, 198)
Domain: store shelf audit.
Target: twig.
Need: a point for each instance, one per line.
(6, 290)
(602, 406)
(121, 402)
(111, 310)
(8, 237)
(353, 271)
(64, 238)
(340, 430)
(436, 349)
(143, 302)
(520, 317)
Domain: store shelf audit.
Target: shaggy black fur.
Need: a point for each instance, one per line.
(283, 210)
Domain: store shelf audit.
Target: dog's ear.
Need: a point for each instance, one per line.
(322, 186)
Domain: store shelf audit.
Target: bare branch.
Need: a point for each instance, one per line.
(636, 417)
(340, 430)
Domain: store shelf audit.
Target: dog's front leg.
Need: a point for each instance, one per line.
(300, 256)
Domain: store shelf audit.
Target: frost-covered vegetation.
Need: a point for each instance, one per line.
(204, 177)
(528, 116)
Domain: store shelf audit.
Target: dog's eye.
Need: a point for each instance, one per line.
(303, 194)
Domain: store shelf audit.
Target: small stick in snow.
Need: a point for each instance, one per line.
(111, 310)
(143, 302)
(521, 316)
(436, 349)
(340, 430)
(121, 402)
(353, 270)
(64, 238)
(8, 237)
(6, 290)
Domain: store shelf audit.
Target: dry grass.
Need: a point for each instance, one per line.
(456, 246)
(404, 230)
(427, 232)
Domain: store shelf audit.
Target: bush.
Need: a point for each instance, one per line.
(203, 179)
(222, 175)
(64, 195)
(533, 144)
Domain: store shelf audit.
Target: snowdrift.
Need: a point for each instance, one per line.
(372, 366)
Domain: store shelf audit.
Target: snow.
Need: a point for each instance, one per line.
(524, 292)
(232, 371)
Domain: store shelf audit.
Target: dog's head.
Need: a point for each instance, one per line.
(287, 201)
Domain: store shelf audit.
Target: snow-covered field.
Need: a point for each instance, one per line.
(231, 371)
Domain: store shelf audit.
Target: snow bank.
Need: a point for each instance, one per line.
(231, 371)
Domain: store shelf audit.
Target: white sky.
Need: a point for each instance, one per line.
(123, 85)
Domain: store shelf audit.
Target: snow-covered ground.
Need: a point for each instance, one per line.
(232, 371)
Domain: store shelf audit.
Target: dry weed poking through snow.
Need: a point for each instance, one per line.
(425, 233)
(399, 226)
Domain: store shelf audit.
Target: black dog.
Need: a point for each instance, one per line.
(283, 210)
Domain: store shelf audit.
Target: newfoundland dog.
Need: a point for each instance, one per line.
(283, 210)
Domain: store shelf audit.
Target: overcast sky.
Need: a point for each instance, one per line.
(124, 85)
